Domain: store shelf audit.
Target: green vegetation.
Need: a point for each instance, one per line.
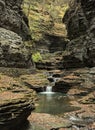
(37, 57)
(45, 16)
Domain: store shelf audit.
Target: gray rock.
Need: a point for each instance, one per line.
(13, 18)
(80, 22)
(13, 52)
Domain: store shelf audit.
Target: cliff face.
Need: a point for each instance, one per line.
(12, 18)
(13, 31)
(45, 19)
(80, 23)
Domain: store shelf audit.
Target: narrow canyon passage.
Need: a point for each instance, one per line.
(47, 65)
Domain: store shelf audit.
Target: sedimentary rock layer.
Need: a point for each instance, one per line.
(13, 18)
(13, 52)
(80, 23)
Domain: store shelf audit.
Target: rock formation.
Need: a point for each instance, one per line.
(80, 23)
(13, 18)
(16, 102)
(13, 31)
(13, 52)
(14, 112)
(47, 30)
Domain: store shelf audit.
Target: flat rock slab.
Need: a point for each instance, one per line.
(5, 96)
(47, 121)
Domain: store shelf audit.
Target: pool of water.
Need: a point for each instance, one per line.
(51, 103)
(54, 103)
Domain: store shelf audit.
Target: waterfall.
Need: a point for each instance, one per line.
(49, 89)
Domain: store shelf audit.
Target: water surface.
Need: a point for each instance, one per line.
(54, 103)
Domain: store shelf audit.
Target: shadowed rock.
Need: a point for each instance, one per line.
(13, 18)
(80, 23)
(14, 109)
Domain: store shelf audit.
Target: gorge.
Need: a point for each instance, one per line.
(46, 44)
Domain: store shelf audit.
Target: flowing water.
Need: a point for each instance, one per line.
(48, 91)
(51, 103)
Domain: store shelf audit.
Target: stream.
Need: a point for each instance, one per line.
(52, 103)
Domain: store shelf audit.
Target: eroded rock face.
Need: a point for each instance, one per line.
(14, 30)
(80, 82)
(51, 43)
(80, 22)
(16, 102)
(13, 18)
(14, 112)
(13, 52)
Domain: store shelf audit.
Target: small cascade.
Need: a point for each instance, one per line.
(53, 80)
(48, 89)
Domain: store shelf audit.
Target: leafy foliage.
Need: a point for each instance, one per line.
(36, 57)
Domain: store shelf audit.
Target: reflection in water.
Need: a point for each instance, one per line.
(56, 103)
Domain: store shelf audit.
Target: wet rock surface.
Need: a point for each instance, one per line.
(48, 43)
(14, 112)
(14, 30)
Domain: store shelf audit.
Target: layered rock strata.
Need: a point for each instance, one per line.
(14, 112)
(12, 18)
(80, 23)
(14, 35)
(16, 103)
(13, 52)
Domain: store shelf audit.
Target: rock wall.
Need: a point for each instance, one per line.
(80, 23)
(16, 102)
(13, 52)
(13, 18)
(47, 30)
(14, 32)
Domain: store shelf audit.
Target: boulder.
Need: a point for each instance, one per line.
(13, 52)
